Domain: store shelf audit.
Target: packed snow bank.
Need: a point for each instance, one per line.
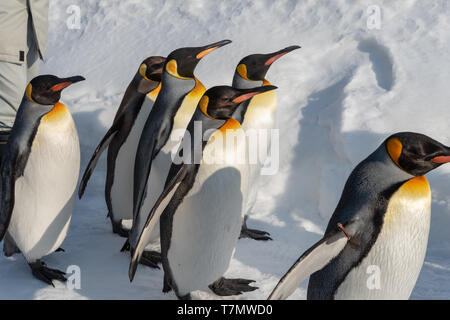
(339, 96)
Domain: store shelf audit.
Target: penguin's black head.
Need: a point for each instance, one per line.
(416, 153)
(151, 68)
(46, 89)
(181, 63)
(220, 102)
(255, 66)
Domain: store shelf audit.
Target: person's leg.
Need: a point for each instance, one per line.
(13, 80)
(32, 59)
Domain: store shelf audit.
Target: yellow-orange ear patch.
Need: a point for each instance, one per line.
(143, 71)
(242, 71)
(172, 69)
(58, 112)
(203, 104)
(394, 148)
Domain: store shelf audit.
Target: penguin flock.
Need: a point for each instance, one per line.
(179, 178)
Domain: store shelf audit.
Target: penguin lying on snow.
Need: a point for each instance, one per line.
(172, 111)
(260, 114)
(382, 221)
(39, 174)
(122, 140)
(201, 206)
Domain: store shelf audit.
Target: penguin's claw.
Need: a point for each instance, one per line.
(47, 275)
(253, 233)
(126, 246)
(60, 250)
(151, 259)
(119, 229)
(231, 287)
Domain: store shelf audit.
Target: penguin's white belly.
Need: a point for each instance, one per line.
(397, 256)
(207, 224)
(260, 120)
(44, 195)
(123, 184)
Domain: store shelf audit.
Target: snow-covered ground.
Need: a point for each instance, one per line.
(348, 88)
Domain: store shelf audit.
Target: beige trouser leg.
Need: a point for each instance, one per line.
(14, 79)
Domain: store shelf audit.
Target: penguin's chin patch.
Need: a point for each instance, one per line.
(441, 159)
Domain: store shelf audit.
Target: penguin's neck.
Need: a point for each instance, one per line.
(241, 83)
(173, 90)
(132, 99)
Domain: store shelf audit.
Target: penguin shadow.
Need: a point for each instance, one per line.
(382, 62)
(319, 140)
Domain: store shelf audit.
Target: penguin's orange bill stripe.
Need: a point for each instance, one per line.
(441, 159)
(205, 52)
(60, 86)
(244, 97)
(274, 58)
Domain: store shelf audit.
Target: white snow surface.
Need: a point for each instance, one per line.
(339, 97)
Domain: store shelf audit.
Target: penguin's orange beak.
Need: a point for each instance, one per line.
(210, 48)
(66, 82)
(441, 159)
(277, 55)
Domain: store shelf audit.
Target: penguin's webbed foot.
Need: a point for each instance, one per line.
(253, 233)
(231, 287)
(151, 259)
(119, 229)
(60, 250)
(47, 275)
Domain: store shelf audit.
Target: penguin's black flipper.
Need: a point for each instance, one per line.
(12, 166)
(104, 143)
(253, 233)
(176, 175)
(231, 287)
(47, 275)
(314, 259)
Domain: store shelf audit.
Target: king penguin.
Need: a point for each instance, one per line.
(258, 119)
(122, 140)
(39, 174)
(381, 222)
(163, 130)
(200, 208)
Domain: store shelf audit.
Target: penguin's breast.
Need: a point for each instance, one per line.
(44, 195)
(207, 223)
(392, 266)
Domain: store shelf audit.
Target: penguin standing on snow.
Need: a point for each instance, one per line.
(166, 124)
(260, 114)
(382, 220)
(201, 206)
(39, 174)
(122, 140)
